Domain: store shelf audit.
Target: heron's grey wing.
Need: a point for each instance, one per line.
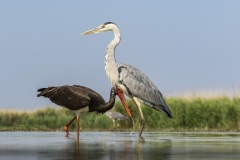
(139, 85)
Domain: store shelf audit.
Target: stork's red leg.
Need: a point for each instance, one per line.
(69, 123)
(122, 98)
(78, 127)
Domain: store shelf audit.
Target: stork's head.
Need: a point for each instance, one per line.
(113, 92)
(108, 26)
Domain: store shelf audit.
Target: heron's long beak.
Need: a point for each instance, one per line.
(122, 98)
(95, 30)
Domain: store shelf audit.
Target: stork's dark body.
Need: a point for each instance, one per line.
(77, 97)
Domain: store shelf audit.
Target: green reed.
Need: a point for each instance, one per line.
(194, 114)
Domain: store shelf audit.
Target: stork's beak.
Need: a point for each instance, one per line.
(95, 30)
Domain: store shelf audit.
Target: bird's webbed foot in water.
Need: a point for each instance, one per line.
(133, 126)
(67, 125)
(142, 122)
(141, 139)
(66, 130)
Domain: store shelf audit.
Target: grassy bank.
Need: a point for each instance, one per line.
(194, 114)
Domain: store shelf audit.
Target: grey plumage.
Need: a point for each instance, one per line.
(128, 79)
(116, 115)
(139, 85)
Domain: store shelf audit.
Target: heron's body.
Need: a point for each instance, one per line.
(78, 99)
(128, 79)
(115, 116)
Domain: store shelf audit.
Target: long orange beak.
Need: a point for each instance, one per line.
(122, 98)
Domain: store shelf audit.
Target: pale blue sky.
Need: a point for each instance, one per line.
(181, 45)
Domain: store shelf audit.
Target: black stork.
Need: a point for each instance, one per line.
(78, 99)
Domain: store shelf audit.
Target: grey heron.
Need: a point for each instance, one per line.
(78, 99)
(128, 79)
(115, 116)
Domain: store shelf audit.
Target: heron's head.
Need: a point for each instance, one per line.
(108, 26)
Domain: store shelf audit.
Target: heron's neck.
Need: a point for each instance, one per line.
(110, 62)
(110, 54)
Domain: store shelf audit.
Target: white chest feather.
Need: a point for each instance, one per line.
(112, 73)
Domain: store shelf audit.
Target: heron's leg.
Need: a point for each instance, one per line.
(141, 114)
(69, 123)
(114, 126)
(122, 98)
(78, 124)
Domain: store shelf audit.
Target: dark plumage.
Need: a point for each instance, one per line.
(79, 99)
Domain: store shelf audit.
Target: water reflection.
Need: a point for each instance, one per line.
(121, 149)
(110, 145)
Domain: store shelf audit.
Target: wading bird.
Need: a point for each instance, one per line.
(115, 116)
(128, 79)
(78, 99)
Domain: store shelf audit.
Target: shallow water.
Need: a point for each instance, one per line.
(118, 145)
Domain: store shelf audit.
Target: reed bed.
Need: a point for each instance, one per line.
(220, 113)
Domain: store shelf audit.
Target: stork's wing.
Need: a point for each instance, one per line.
(137, 84)
(71, 97)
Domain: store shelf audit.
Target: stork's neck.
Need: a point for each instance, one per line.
(111, 102)
(108, 105)
(110, 62)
